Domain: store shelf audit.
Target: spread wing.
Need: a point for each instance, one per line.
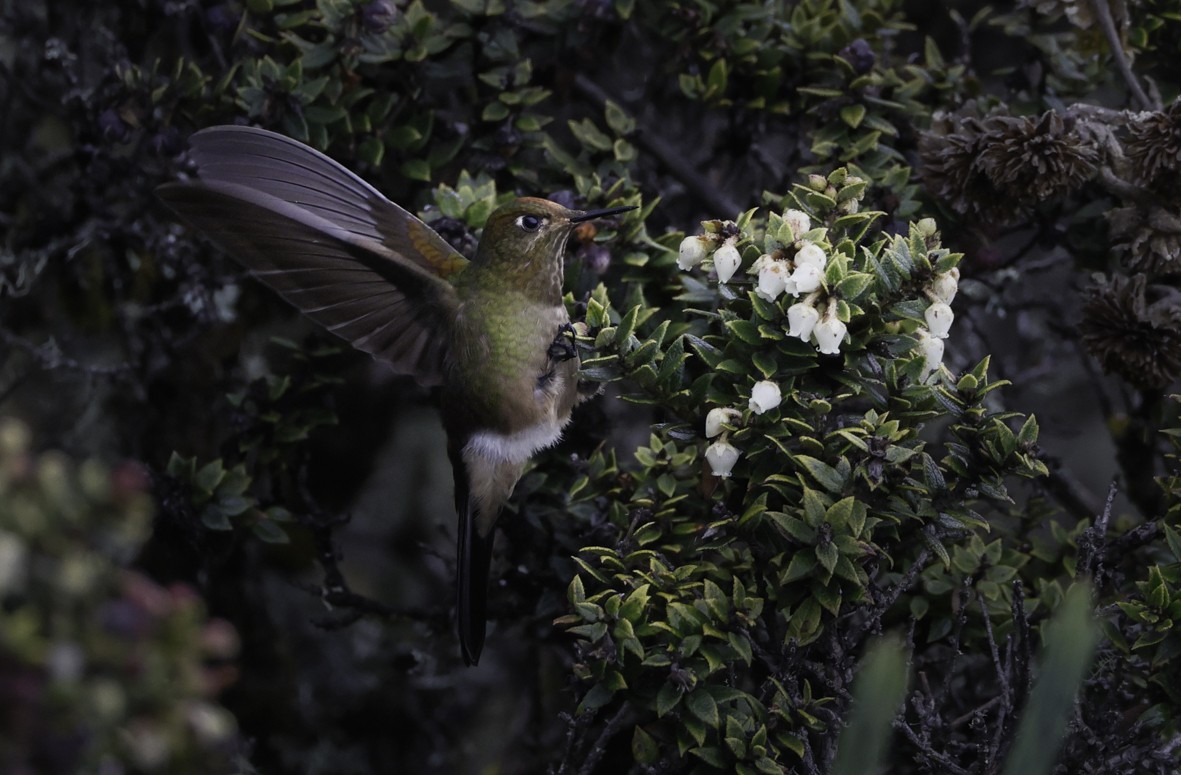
(327, 241)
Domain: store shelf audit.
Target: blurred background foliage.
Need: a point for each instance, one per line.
(268, 585)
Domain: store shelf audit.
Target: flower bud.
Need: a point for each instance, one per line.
(801, 319)
(692, 252)
(717, 418)
(927, 227)
(944, 286)
(798, 221)
(829, 333)
(939, 319)
(721, 456)
(806, 279)
(764, 396)
(817, 182)
(773, 279)
(726, 262)
(811, 254)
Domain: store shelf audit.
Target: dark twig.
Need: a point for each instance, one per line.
(1022, 648)
(621, 717)
(886, 601)
(1090, 545)
(1004, 720)
(1107, 24)
(925, 749)
(1069, 491)
(576, 727)
(1135, 538)
(334, 590)
(670, 157)
(957, 631)
(49, 357)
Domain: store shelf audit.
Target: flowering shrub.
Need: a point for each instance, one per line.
(805, 436)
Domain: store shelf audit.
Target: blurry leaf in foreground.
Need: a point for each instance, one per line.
(877, 694)
(1070, 640)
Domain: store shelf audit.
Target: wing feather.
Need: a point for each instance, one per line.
(334, 270)
(296, 173)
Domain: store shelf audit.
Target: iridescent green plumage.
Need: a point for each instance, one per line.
(490, 332)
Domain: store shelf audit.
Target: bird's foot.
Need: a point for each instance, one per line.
(562, 348)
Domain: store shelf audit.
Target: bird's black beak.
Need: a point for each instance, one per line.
(590, 215)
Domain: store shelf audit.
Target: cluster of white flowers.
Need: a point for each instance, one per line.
(803, 273)
(813, 318)
(721, 455)
(726, 257)
(939, 317)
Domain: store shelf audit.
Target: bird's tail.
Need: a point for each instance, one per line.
(474, 561)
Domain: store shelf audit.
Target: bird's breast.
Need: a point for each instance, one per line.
(516, 396)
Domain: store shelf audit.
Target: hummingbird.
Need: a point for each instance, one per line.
(492, 334)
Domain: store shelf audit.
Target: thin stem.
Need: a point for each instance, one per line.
(671, 158)
(1107, 24)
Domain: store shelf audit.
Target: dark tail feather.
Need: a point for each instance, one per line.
(474, 561)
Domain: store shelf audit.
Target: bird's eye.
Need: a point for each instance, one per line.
(530, 222)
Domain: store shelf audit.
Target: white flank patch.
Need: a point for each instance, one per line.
(514, 447)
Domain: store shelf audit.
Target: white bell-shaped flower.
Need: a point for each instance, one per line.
(811, 254)
(829, 332)
(726, 262)
(801, 319)
(799, 222)
(931, 348)
(764, 396)
(692, 252)
(806, 279)
(721, 456)
(939, 319)
(943, 286)
(773, 277)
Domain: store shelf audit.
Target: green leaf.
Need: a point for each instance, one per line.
(667, 698)
(828, 554)
(709, 354)
(801, 565)
(1173, 539)
(181, 467)
(644, 747)
(854, 285)
(745, 331)
(214, 519)
(825, 475)
(598, 696)
(853, 114)
(210, 476)
(269, 532)
(792, 527)
(702, 705)
(233, 505)
(417, 169)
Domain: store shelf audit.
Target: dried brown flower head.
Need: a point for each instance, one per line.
(1038, 158)
(1134, 329)
(950, 171)
(1153, 148)
(997, 168)
(1148, 237)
